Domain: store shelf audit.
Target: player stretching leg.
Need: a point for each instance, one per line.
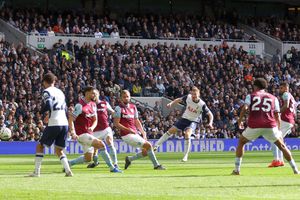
(194, 107)
(288, 112)
(103, 131)
(264, 120)
(85, 117)
(57, 130)
(126, 120)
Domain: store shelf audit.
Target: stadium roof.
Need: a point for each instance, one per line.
(290, 2)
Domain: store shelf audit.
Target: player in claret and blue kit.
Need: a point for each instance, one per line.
(127, 121)
(103, 131)
(288, 113)
(85, 119)
(263, 120)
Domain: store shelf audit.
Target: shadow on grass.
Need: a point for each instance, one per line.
(239, 186)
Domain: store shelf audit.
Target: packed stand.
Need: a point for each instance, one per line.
(281, 29)
(222, 73)
(36, 22)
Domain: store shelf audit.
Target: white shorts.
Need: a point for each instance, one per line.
(285, 128)
(102, 135)
(270, 134)
(86, 141)
(134, 140)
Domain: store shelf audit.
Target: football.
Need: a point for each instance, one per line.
(5, 133)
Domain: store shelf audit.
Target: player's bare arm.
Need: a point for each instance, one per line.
(139, 126)
(121, 127)
(176, 101)
(242, 114)
(46, 118)
(95, 121)
(211, 120)
(277, 118)
(71, 119)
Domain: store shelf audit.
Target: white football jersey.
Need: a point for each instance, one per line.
(193, 111)
(57, 113)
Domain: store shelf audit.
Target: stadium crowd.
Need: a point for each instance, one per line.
(152, 26)
(281, 29)
(222, 73)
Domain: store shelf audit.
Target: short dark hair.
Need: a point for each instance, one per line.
(284, 84)
(49, 78)
(88, 89)
(261, 83)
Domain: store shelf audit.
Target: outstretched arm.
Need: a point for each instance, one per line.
(176, 101)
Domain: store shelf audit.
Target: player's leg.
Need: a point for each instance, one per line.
(86, 142)
(147, 149)
(274, 135)
(98, 135)
(187, 143)
(64, 161)
(98, 144)
(38, 160)
(112, 150)
(165, 136)
(239, 155)
(95, 160)
(47, 139)
(286, 128)
(278, 155)
(60, 144)
(287, 155)
(135, 141)
(247, 135)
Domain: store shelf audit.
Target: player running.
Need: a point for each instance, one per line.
(288, 112)
(57, 129)
(85, 120)
(264, 120)
(126, 120)
(194, 107)
(103, 130)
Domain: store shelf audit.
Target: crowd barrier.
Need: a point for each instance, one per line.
(207, 145)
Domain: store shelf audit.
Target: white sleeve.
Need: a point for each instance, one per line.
(248, 100)
(109, 108)
(78, 110)
(277, 107)
(286, 96)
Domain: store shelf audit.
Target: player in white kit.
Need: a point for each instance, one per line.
(194, 107)
(57, 130)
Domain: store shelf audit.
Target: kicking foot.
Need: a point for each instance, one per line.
(159, 167)
(92, 165)
(127, 162)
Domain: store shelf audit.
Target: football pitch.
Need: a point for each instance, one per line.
(204, 176)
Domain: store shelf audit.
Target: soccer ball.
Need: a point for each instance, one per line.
(5, 133)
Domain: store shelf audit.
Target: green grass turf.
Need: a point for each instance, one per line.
(204, 176)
